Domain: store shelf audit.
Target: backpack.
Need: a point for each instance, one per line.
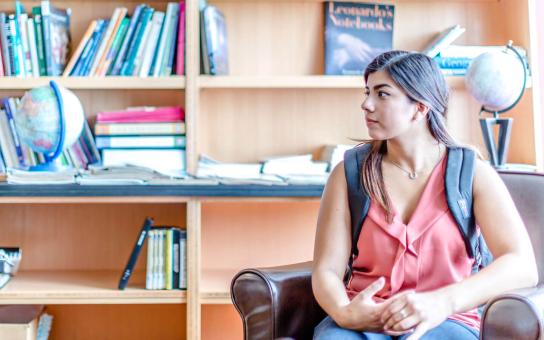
(458, 182)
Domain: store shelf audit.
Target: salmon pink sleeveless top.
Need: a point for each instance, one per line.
(425, 254)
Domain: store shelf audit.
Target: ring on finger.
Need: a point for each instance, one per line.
(403, 313)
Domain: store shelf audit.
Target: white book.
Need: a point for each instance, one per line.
(166, 161)
(33, 48)
(141, 48)
(443, 40)
(23, 28)
(151, 47)
(160, 258)
(105, 40)
(150, 260)
(183, 260)
(162, 40)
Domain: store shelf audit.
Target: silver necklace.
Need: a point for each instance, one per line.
(411, 174)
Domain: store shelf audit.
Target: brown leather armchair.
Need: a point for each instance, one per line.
(278, 302)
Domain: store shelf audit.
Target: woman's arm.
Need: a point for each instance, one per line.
(513, 267)
(331, 253)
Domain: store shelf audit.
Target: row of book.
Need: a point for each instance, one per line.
(166, 266)
(152, 137)
(17, 155)
(34, 45)
(149, 43)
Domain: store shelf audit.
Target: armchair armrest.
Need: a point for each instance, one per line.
(514, 315)
(276, 302)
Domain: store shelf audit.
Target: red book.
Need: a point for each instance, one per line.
(180, 53)
(142, 115)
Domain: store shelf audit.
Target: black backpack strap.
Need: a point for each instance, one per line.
(458, 181)
(359, 201)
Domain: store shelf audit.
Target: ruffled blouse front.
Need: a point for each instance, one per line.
(425, 254)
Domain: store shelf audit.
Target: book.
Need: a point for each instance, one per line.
(142, 114)
(38, 31)
(6, 58)
(215, 31)
(79, 50)
(140, 142)
(148, 223)
(355, 33)
(115, 67)
(472, 51)
(180, 53)
(19, 321)
(167, 128)
(56, 34)
(443, 40)
(166, 161)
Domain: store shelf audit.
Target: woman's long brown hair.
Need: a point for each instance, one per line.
(422, 81)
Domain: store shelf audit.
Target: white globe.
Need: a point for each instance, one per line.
(495, 79)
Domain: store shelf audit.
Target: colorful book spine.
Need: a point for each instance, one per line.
(4, 43)
(128, 64)
(9, 109)
(180, 53)
(115, 46)
(79, 50)
(121, 56)
(141, 142)
(172, 128)
(38, 31)
(142, 115)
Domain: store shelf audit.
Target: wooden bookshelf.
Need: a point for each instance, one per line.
(275, 101)
(96, 83)
(83, 287)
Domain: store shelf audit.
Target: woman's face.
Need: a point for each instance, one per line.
(388, 111)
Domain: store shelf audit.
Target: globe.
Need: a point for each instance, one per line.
(495, 79)
(49, 119)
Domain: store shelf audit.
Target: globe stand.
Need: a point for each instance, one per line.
(50, 164)
(499, 151)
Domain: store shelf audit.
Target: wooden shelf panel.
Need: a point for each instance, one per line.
(215, 286)
(83, 287)
(96, 83)
(296, 82)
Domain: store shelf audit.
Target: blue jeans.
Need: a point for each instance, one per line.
(449, 329)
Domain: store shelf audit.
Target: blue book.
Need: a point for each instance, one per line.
(452, 62)
(128, 64)
(173, 43)
(87, 50)
(8, 108)
(86, 66)
(215, 30)
(115, 67)
(355, 33)
(135, 252)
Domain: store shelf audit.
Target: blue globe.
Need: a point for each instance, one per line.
(49, 119)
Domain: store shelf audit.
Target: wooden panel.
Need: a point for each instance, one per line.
(240, 235)
(83, 287)
(81, 237)
(247, 125)
(221, 322)
(113, 322)
(287, 38)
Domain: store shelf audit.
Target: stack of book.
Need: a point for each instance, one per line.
(15, 154)
(150, 43)
(152, 137)
(34, 46)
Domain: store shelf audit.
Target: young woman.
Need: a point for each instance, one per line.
(412, 277)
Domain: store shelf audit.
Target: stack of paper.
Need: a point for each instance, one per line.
(16, 176)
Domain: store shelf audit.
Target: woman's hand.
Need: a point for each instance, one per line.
(362, 313)
(415, 311)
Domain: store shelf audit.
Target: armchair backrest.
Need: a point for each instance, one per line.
(527, 190)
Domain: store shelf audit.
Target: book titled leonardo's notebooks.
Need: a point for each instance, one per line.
(355, 33)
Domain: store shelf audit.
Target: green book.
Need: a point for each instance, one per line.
(38, 32)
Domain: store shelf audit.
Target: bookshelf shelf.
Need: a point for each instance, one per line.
(215, 286)
(96, 83)
(83, 287)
